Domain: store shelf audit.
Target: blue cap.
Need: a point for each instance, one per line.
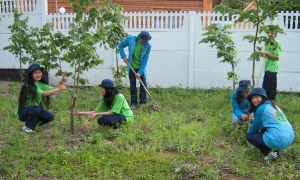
(34, 67)
(144, 36)
(107, 83)
(257, 91)
(244, 85)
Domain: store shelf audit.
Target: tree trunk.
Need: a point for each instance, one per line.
(117, 63)
(233, 78)
(72, 115)
(21, 76)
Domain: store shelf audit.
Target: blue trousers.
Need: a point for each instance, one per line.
(237, 120)
(35, 115)
(133, 89)
(270, 85)
(111, 120)
(256, 139)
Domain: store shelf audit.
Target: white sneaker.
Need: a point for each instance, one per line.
(26, 129)
(272, 155)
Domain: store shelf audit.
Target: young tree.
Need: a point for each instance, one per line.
(219, 37)
(115, 33)
(21, 40)
(264, 9)
(81, 43)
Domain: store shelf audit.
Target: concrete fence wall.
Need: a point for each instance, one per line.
(177, 58)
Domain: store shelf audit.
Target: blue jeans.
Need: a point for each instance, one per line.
(236, 120)
(111, 120)
(133, 89)
(35, 115)
(256, 139)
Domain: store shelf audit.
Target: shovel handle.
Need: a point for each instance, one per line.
(141, 82)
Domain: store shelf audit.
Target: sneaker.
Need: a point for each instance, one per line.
(133, 106)
(142, 105)
(26, 129)
(272, 155)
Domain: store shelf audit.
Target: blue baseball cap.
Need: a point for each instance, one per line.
(107, 83)
(144, 36)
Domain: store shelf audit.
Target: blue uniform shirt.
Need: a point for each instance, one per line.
(239, 109)
(131, 42)
(279, 133)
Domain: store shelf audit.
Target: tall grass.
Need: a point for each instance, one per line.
(190, 136)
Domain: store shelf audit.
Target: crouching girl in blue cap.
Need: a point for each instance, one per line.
(240, 103)
(270, 129)
(113, 107)
(33, 94)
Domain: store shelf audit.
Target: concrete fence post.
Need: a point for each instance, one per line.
(44, 7)
(191, 48)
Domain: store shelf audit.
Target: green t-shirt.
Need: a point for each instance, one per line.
(41, 87)
(119, 106)
(136, 58)
(273, 47)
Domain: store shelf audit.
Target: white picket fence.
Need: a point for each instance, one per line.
(291, 20)
(154, 20)
(160, 21)
(174, 21)
(7, 6)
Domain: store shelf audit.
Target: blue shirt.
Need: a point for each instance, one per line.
(279, 133)
(131, 42)
(239, 109)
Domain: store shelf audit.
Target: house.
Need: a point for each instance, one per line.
(147, 5)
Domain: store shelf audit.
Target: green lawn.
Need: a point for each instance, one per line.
(189, 136)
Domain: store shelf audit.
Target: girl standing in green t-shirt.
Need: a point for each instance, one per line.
(35, 91)
(113, 107)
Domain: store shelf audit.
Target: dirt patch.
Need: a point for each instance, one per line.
(6, 87)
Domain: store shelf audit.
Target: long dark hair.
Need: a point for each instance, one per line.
(29, 93)
(109, 96)
(253, 108)
(239, 97)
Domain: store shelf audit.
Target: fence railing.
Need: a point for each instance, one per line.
(61, 21)
(154, 20)
(291, 20)
(135, 20)
(208, 18)
(160, 21)
(7, 6)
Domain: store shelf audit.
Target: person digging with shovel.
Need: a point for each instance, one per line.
(138, 55)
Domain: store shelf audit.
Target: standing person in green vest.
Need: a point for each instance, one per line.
(272, 51)
(113, 107)
(138, 55)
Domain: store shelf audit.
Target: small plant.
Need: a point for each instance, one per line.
(118, 74)
(220, 37)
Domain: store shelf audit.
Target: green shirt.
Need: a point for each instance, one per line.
(119, 106)
(41, 87)
(136, 58)
(273, 47)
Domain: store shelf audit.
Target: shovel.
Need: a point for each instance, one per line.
(141, 82)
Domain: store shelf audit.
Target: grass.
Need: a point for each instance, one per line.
(190, 136)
